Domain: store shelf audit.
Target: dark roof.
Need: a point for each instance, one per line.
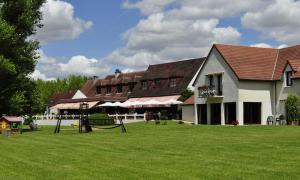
(184, 70)
(189, 101)
(89, 88)
(60, 95)
(254, 63)
(112, 98)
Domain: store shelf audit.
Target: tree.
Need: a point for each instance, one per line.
(292, 105)
(185, 94)
(45, 89)
(18, 22)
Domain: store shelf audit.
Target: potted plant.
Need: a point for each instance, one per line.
(235, 123)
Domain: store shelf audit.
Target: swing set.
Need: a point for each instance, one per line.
(86, 122)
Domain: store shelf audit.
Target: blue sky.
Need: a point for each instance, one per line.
(109, 22)
(95, 37)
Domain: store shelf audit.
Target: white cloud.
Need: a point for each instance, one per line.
(83, 65)
(49, 67)
(279, 21)
(148, 7)
(60, 22)
(38, 75)
(261, 45)
(169, 34)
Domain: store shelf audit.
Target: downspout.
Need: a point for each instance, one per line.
(275, 99)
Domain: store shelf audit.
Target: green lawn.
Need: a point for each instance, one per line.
(151, 151)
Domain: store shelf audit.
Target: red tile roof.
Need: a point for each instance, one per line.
(296, 75)
(189, 101)
(60, 95)
(11, 119)
(254, 63)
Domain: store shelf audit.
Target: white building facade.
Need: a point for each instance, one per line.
(244, 84)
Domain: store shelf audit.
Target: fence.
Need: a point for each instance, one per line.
(126, 117)
(134, 116)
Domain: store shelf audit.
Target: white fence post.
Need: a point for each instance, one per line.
(144, 116)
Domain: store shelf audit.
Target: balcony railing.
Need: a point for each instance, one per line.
(208, 91)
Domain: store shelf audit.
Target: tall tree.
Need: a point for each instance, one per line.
(18, 21)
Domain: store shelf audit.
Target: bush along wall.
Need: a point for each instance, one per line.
(293, 108)
(101, 119)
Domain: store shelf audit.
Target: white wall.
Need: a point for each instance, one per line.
(258, 91)
(78, 95)
(188, 113)
(215, 64)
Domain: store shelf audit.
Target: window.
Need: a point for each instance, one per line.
(173, 82)
(219, 84)
(108, 90)
(119, 88)
(144, 85)
(210, 80)
(157, 82)
(98, 89)
(131, 87)
(288, 75)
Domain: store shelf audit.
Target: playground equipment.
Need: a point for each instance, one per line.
(86, 123)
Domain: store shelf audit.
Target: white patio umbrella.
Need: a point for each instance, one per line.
(129, 104)
(117, 104)
(106, 104)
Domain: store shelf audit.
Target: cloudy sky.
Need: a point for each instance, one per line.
(96, 37)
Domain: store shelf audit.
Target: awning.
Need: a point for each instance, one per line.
(163, 101)
(73, 105)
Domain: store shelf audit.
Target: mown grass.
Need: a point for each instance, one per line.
(151, 151)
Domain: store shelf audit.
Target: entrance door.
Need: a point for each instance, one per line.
(202, 114)
(215, 113)
(230, 112)
(252, 113)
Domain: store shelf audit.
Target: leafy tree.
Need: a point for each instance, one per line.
(292, 105)
(185, 94)
(18, 21)
(45, 89)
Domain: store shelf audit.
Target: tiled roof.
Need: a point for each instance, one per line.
(11, 118)
(289, 54)
(96, 98)
(60, 95)
(254, 63)
(189, 101)
(183, 70)
(296, 75)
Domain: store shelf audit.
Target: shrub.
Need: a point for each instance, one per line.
(292, 105)
(180, 122)
(164, 122)
(28, 120)
(100, 119)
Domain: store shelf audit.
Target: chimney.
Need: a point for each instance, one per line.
(117, 73)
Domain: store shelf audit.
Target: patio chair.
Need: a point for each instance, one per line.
(270, 119)
(280, 120)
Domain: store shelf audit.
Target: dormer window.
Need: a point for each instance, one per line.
(173, 82)
(131, 87)
(108, 90)
(144, 85)
(119, 89)
(98, 89)
(288, 76)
